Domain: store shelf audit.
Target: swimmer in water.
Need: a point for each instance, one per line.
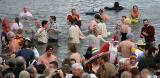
(135, 14)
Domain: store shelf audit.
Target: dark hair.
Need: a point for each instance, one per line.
(105, 58)
(53, 17)
(17, 20)
(97, 16)
(66, 61)
(72, 20)
(54, 63)
(124, 16)
(145, 20)
(40, 68)
(72, 48)
(116, 4)
(151, 50)
(29, 45)
(44, 22)
(73, 60)
(100, 10)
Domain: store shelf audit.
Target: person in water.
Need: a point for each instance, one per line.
(104, 16)
(115, 7)
(25, 14)
(76, 17)
(135, 14)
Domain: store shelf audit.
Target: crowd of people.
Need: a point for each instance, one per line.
(118, 58)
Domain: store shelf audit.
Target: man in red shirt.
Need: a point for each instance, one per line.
(148, 33)
(75, 16)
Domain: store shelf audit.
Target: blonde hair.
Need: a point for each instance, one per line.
(95, 33)
(127, 21)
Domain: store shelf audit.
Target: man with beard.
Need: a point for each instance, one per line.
(148, 33)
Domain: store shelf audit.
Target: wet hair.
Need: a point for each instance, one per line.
(44, 22)
(145, 20)
(73, 9)
(54, 63)
(53, 17)
(17, 20)
(116, 4)
(124, 16)
(40, 68)
(98, 16)
(135, 6)
(101, 10)
(72, 48)
(72, 20)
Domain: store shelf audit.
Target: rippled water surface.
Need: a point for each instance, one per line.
(42, 9)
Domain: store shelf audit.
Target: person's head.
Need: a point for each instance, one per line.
(97, 61)
(17, 20)
(52, 19)
(67, 61)
(105, 58)
(145, 22)
(46, 72)
(77, 69)
(33, 72)
(152, 51)
(66, 69)
(11, 62)
(123, 18)
(45, 24)
(135, 73)
(98, 18)
(24, 74)
(10, 35)
(85, 75)
(73, 61)
(130, 36)
(133, 59)
(29, 46)
(20, 31)
(116, 4)
(95, 32)
(40, 68)
(9, 75)
(101, 11)
(126, 74)
(73, 11)
(27, 41)
(145, 73)
(53, 65)
(127, 65)
(38, 23)
(127, 21)
(20, 62)
(72, 48)
(49, 50)
(71, 21)
(25, 9)
(121, 63)
(135, 8)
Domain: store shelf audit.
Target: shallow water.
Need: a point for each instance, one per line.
(42, 9)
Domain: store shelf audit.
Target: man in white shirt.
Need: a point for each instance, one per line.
(25, 14)
(42, 33)
(55, 29)
(75, 34)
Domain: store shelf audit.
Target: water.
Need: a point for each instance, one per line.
(42, 9)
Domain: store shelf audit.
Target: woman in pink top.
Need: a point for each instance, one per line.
(75, 55)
